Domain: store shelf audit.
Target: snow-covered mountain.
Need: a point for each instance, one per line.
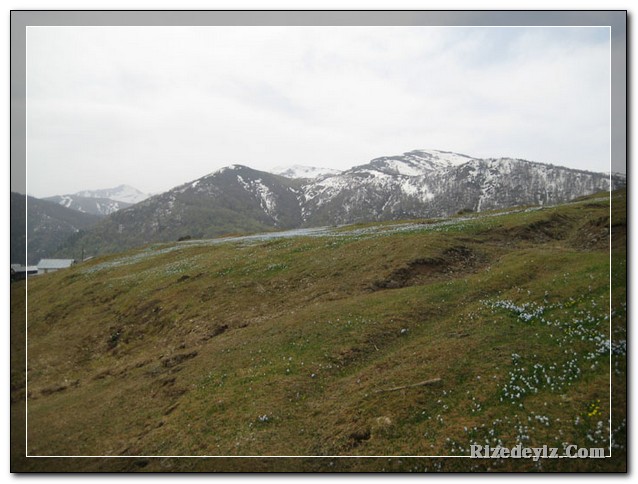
(429, 183)
(301, 171)
(93, 205)
(420, 183)
(122, 193)
(416, 162)
(100, 202)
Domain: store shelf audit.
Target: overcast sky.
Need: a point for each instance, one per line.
(154, 107)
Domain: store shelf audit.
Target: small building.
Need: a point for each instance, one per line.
(52, 265)
(20, 272)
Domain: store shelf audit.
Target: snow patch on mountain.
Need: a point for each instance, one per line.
(447, 158)
(416, 188)
(403, 168)
(223, 169)
(243, 183)
(413, 163)
(267, 199)
(302, 171)
(66, 201)
(326, 188)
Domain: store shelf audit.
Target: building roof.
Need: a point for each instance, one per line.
(21, 268)
(55, 263)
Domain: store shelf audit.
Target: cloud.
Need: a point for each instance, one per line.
(158, 106)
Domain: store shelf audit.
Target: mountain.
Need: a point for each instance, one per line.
(301, 171)
(232, 199)
(122, 193)
(417, 184)
(47, 226)
(435, 183)
(93, 205)
(101, 202)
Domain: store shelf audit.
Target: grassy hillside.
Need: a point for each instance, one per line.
(317, 346)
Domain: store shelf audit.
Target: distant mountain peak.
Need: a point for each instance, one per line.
(414, 163)
(224, 169)
(92, 205)
(101, 202)
(121, 193)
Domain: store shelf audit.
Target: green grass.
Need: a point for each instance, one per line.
(287, 347)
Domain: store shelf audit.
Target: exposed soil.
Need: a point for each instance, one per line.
(593, 234)
(451, 263)
(556, 227)
(177, 359)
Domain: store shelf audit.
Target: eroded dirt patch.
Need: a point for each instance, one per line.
(593, 234)
(556, 227)
(452, 262)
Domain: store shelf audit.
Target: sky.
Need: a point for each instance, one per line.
(154, 107)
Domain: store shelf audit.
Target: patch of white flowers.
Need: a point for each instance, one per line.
(528, 375)
(582, 335)
(524, 312)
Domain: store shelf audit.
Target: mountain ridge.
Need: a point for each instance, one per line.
(417, 184)
(121, 193)
(303, 171)
(92, 205)
(100, 202)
